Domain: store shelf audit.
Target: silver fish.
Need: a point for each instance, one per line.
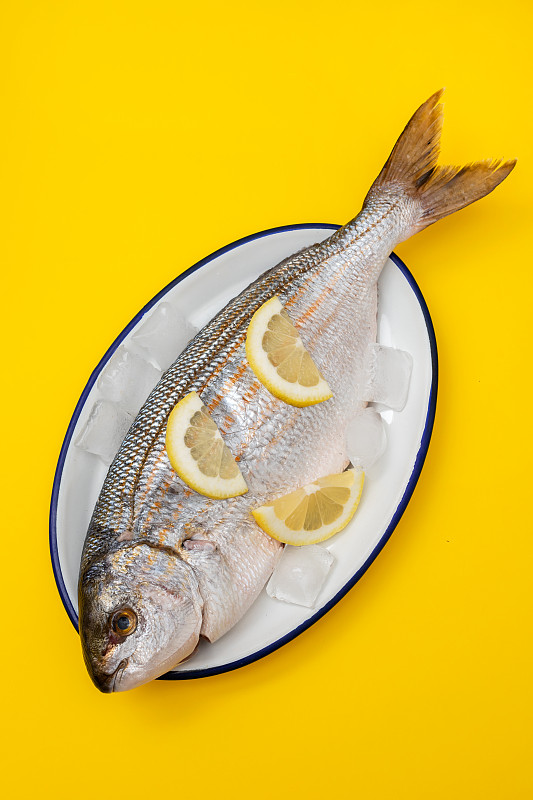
(162, 565)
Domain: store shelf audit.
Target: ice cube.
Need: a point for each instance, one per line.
(388, 373)
(300, 574)
(127, 379)
(162, 336)
(365, 438)
(104, 431)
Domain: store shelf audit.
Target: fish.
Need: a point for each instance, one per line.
(164, 567)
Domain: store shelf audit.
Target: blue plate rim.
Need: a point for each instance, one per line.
(413, 479)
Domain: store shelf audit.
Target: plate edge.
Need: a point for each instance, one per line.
(413, 479)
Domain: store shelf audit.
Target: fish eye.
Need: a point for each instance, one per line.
(124, 621)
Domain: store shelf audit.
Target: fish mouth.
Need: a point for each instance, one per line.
(106, 681)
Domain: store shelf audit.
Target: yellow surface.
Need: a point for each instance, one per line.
(137, 137)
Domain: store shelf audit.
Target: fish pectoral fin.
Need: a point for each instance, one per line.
(199, 545)
(183, 660)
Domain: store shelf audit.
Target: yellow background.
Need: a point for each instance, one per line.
(138, 137)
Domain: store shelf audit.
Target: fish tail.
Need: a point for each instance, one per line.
(436, 190)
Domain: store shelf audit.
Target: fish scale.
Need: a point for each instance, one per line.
(184, 565)
(133, 466)
(267, 435)
(249, 405)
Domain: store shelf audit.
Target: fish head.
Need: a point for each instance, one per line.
(140, 614)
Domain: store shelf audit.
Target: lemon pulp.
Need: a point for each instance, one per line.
(279, 359)
(315, 512)
(198, 453)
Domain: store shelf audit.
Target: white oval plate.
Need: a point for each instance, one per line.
(201, 291)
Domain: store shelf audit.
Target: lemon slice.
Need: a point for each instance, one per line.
(198, 454)
(279, 359)
(315, 512)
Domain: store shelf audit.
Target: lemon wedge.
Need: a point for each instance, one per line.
(315, 512)
(279, 359)
(198, 454)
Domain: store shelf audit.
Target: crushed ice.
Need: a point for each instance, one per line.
(300, 574)
(365, 439)
(388, 374)
(129, 376)
(104, 431)
(127, 379)
(162, 336)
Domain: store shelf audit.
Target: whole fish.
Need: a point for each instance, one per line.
(163, 566)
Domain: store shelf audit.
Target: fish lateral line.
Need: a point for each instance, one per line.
(189, 544)
(164, 549)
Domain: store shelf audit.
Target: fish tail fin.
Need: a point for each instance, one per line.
(436, 190)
